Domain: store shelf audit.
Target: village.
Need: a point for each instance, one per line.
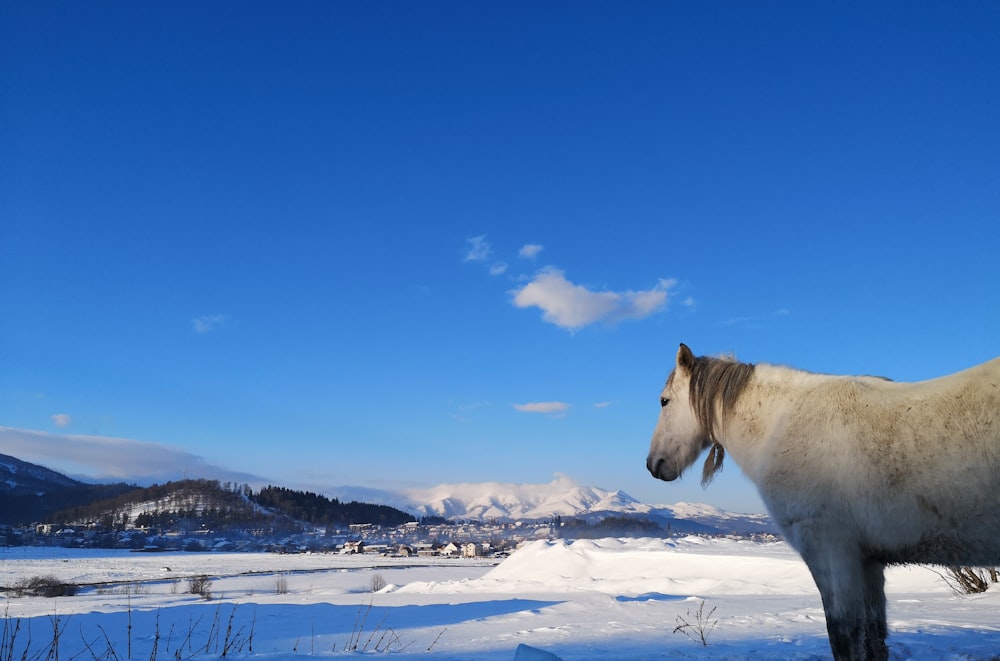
(468, 539)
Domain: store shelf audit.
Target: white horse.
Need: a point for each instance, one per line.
(858, 472)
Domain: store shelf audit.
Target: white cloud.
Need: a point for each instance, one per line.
(498, 268)
(62, 419)
(574, 306)
(542, 407)
(102, 457)
(477, 249)
(208, 323)
(602, 405)
(529, 251)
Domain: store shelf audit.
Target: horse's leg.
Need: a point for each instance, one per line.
(876, 629)
(838, 569)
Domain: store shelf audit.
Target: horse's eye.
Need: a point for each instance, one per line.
(664, 401)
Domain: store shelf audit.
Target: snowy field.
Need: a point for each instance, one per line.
(592, 599)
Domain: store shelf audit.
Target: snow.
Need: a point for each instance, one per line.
(585, 599)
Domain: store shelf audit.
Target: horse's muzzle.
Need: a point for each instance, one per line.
(657, 468)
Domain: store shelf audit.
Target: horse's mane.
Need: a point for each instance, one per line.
(716, 384)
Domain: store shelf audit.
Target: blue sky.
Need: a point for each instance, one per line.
(398, 244)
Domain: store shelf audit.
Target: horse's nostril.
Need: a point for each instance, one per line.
(652, 467)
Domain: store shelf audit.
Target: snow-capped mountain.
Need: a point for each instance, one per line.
(562, 497)
(497, 500)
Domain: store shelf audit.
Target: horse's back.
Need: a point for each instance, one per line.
(912, 468)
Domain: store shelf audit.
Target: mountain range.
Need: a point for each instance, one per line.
(22, 483)
(562, 497)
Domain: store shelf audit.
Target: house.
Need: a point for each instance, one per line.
(352, 547)
(426, 549)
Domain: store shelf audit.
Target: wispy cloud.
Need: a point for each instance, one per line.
(552, 408)
(602, 405)
(757, 322)
(102, 457)
(62, 419)
(529, 251)
(463, 409)
(208, 323)
(477, 249)
(574, 306)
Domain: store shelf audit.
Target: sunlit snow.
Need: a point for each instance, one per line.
(587, 599)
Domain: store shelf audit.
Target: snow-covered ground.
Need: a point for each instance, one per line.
(588, 599)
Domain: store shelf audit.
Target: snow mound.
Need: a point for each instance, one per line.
(656, 569)
(634, 567)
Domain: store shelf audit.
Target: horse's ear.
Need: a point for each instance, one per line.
(685, 358)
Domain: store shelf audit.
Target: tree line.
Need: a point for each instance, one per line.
(319, 510)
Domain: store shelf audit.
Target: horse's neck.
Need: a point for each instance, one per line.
(765, 402)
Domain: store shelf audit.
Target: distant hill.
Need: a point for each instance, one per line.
(190, 505)
(31, 493)
(319, 510)
(182, 505)
(34, 494)
(18, 478)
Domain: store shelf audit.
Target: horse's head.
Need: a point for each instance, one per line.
(679, 437)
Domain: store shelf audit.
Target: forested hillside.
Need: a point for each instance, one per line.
(188, 505)
(22, 508)
(319, 510)
(179, 505)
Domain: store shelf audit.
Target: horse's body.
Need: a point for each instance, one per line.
(858, 472)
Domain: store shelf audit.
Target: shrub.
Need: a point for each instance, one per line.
(970, 580)
(377, 582)
(698, 626)
(201, 586)
(43, 586)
